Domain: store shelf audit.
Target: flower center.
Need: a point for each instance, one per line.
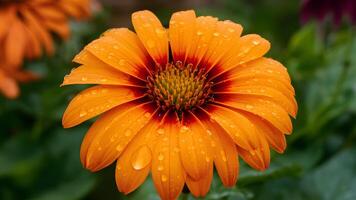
(179, 87)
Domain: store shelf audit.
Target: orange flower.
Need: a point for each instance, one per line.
(25, 28)
(177, 100)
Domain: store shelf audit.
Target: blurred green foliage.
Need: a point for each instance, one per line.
(40, 160)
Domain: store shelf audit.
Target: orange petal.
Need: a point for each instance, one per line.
(76, 8)
(265, 67)
(33, 46)
(201, 187)
(94, 101)
(181, 31)
(15, 44)
(8, 86)
(134, 43)
(100, 74)
(109, 135)
(167, 171)
(240, 129)
(7, 15)
(50, 12)
(258, 158)
(135, 162)
(152, 34)
(273, 136)
(24, 76)
(248, 48)
(223, 149)
(59, 27)
(288, 103)
(259, 106)
(118, 53)
(33, 23)
(193, 144)
(225, 37)
(198, 45)
(260, 71)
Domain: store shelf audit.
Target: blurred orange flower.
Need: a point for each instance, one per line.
(178, 100)
(26, 27)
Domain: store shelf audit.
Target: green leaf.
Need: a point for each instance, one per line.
(334, 180)
(70, 190)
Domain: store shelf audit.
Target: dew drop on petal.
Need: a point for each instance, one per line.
(160, 156)
(160, 168)
(207, 159)
(231, 30)
(82, 113)
(216, 34)
(183, 129)
(141, 158)
(128, 132)
(249, 107)
(119, 147)
(164, 178)
(147, 115)
(160, 131)
(223, 156)
(255, 42)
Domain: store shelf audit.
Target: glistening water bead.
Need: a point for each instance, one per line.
(180, 87)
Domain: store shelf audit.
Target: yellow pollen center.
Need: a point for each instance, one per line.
(179, 87)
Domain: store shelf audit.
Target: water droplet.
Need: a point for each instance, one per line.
(160, 131)
(207, 159)
(128, 132)
(160, 156)
(119, 147)
(103, 80)
(160, 168)
(213, 144)
(183, 129)
(141, 158)
(209, 132)
(223, 156)
(164, 178)
(216, 34)
(160, 32)
(82, 114)
(199, 33)
(84, 78)
(256, 42)
(249, 107)
(231, 30)
(147, 115)
(94, 92)
(232, 126)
